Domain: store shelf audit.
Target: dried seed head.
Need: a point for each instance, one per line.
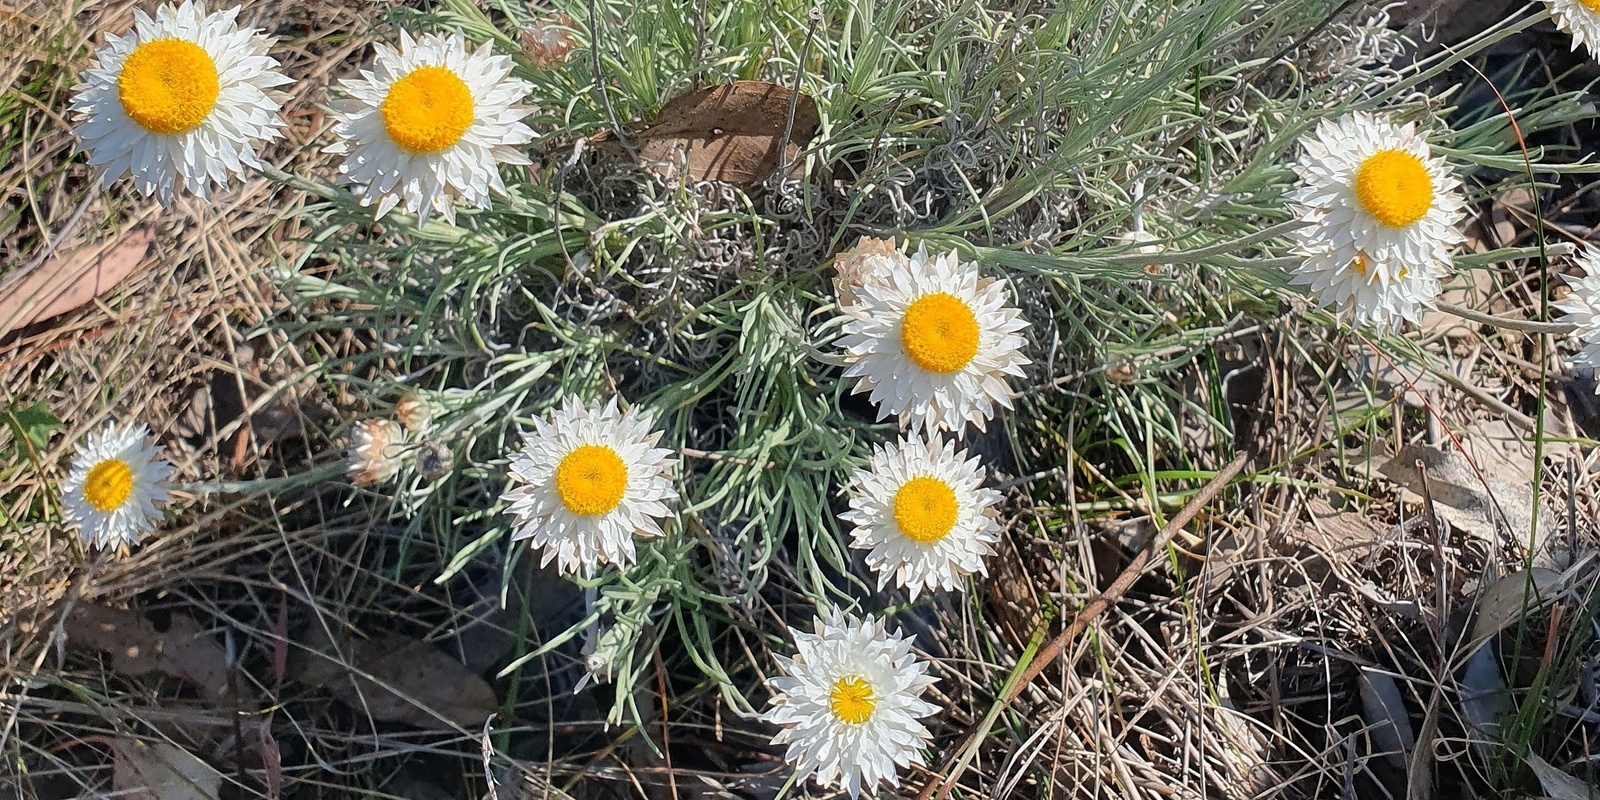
(376, 448)
(414, 412)
(1122, 373)
(549, 42)
(434, 460)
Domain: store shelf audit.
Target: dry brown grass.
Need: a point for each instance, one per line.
(169, 346)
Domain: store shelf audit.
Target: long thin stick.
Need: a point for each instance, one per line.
(1095, 608)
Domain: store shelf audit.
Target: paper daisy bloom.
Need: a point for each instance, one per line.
(1373, 186)
(933, 342)
(1371, 294)
(920, 510)
(587, 481)
(429, 124)
(1582, 308)
(849, 703)
(118, 480)
(1580, 18)
(183, 100)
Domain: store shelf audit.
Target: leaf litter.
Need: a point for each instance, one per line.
(732, 133)
(160, 771)
(394, 678)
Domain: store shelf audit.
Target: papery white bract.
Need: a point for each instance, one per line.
(587, 481)
(429, 124)
(933, 342)
(1353, 284)
(920, 510)
(116, 486)
(1372, 186)
(849, 703)
(1581, 307)
(1580, 18)
(183, 100)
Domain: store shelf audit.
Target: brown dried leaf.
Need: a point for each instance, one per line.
(1388, 723)
(729, 133)
(1504, 601)
(1559, 785)
(160, 771)
(68, 280)
(423, 683)
(183, 651)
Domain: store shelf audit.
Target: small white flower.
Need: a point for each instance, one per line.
(586, 482)
(118, 480)
(376, 451)
(870, 260)
(934, 343)
(431, 123)
(1367, 184)
(921, 510)
(1354, 284)
(184, 100)
(1581, 18)
(1582, 308)
(849, 703)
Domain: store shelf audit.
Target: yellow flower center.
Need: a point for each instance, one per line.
(939, 333)
(1592, 5)
(591, 479)
(108, 485)
(925, 509)
(428, 110)
(852, 700)
(168, 86)
(1394, 186)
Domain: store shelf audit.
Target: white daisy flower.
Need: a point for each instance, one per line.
(1582, 308)
(849, 703)
(1372, 186)
(185, 99)
(429, 124)
(117, 481)
(1581, 18)
(921, 510)
(868, 260)
(933, 342)
(589, 480)
(1370, 293)
(377, 450)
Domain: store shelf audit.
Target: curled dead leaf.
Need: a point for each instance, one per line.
(732, 133)
(68, 280)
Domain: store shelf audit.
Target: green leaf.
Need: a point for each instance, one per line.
(33, 424)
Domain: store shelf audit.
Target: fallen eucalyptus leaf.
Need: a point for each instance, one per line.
(411, 681)
(1483, 699)
(68, 280)
(183, 650)
(1503, 603)
(1559, 785)
(160, 771)
(1387, 721)
(732, 133)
